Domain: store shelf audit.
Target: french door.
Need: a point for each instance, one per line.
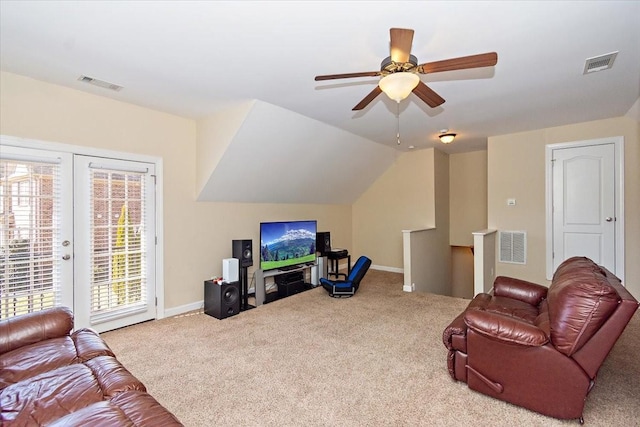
(77, 231)
(114, 229)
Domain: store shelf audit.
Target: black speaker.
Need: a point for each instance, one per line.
(243, 251)
(323, 242)
(221, 300)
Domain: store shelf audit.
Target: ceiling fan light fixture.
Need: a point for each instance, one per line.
(447, 138)
(398, 86)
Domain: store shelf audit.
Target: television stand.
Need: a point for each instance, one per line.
(315, 270)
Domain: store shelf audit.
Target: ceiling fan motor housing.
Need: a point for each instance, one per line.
(387, 66)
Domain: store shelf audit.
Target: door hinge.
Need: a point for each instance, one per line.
(155, 182)
(156, 240)
(156, 301)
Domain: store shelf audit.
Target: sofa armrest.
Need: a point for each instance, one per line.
(34, 327)
(529, 292)
(456, 332)
(505, 328)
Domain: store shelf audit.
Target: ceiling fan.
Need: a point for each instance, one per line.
(400, 71)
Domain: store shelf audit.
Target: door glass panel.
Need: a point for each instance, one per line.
(30, 255)
(118, 244)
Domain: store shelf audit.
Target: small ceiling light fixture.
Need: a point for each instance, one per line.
(446, 137)
(399, 85)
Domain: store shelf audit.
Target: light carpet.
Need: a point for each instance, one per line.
(376, 359)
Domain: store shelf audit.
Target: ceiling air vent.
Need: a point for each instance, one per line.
(513, 247)
(100, 83)
(599, 63)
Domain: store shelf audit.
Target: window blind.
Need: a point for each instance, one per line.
(117, 243)
(30, 248)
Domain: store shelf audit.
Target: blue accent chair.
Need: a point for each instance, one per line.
(348, 287)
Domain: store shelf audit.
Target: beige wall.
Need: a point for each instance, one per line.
(213, 136)
(197, 236)
(400, 199)
(442, 224)
(462, 272)
(516, 169)
(468, 202)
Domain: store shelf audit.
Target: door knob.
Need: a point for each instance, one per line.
(66, 257)
(608, 219)
(66, 243)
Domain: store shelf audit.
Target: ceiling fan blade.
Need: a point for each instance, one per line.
(367, 99)
(348, 75)
(464, 62)
(401, 40)
(427, 94)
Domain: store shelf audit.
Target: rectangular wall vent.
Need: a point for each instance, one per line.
(100, 83)
(513, 247)
(599, 63)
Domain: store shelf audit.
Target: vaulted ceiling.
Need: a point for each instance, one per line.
(201, 59)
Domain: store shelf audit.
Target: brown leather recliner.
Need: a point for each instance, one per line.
(540, 347)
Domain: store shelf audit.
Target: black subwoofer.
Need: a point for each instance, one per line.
(243, 251)
(221, 300)
(323, 242)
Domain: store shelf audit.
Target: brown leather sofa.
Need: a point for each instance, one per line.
(51, 376)
(540, 347)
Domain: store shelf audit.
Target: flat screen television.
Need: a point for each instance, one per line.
(287, 244)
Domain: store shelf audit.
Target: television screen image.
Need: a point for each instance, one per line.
(287, 243)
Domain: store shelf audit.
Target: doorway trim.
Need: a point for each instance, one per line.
(100, 152)
(618, 142)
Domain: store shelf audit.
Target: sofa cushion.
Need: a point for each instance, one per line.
(49, 396)
(580, 300)
(512, 308)
(89, 345)
(57, 392)
(42, 356)
(34, 359)
(30, 328)
(112, 376)
(130, 408)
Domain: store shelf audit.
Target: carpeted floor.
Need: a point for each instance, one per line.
(376, 359)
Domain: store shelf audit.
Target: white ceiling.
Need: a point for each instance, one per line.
(195, 59)
(192, 58)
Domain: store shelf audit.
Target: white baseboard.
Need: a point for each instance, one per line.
(176, 311)
(199, 305)
(389, 269)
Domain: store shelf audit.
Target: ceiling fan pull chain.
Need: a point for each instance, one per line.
(398, 116)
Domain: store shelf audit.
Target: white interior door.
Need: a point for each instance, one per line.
(115, 242)
(584, 204)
